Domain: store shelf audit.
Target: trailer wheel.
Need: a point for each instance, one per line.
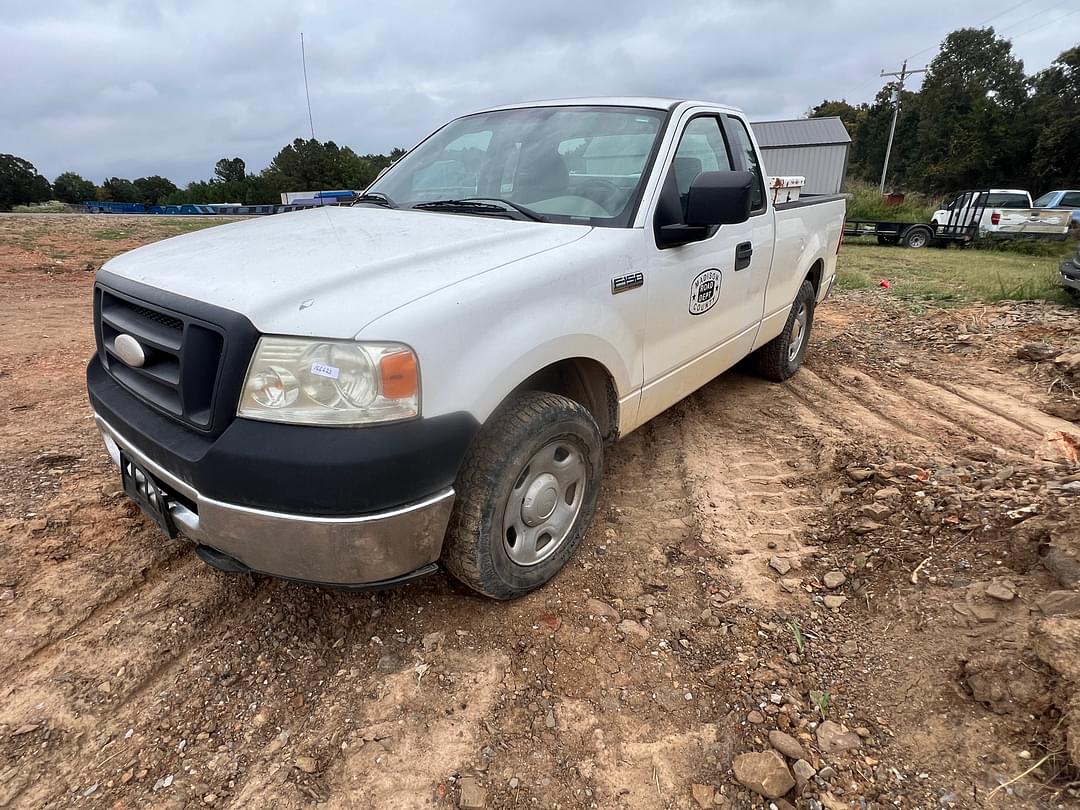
(918, 237)
(888, 240)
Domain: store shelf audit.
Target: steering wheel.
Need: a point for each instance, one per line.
(608, 195)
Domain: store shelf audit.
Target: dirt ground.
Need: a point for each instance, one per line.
(868, 558)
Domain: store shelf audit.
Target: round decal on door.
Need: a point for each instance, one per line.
(704, 291)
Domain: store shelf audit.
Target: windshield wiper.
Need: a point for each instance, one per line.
(376, 198)
(481, 204)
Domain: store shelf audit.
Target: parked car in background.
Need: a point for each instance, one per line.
(1003, 213)
(978, 204)
(1068, 198)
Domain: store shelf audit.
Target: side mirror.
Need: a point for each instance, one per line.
(719, 198)
(715, 198)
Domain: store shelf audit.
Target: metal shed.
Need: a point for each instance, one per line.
(816, 148)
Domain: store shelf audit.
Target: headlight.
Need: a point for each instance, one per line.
(330, 382)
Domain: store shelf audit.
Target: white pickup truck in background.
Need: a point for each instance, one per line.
(352, 395)
(1002, 212)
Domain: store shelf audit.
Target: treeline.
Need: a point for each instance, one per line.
(303, 165)
(978, 121)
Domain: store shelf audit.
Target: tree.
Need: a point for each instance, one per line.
(230, 169)
(20, 183)
(152, 190)
(1054, 113)
(119, 189)
(71, 188)
(309, 165)
(971, 128)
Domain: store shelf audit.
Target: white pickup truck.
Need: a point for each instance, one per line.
(1003, 213)
(352, 395)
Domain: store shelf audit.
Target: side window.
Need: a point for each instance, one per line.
(744, 145)
(1070, 200)
(702, 149)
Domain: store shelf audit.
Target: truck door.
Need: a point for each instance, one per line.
(705, 298)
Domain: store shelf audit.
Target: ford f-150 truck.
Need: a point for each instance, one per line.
(352, 395)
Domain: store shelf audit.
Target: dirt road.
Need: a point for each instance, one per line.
(872, 543)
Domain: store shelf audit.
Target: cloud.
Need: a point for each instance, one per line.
(144, 87)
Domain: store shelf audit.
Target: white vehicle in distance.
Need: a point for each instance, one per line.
(1004, 213)
(354, 395)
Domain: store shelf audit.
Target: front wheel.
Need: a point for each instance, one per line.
(527, 492)
(783, 355)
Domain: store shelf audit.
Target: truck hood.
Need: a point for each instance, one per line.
(328, 272)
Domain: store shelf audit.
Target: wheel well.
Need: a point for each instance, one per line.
(587, 383)
(814, 276)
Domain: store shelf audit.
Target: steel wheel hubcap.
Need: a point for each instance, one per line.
(544, 503)
(798, 332)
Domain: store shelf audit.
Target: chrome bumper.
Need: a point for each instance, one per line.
(360, 550)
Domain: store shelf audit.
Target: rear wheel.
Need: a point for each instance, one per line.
(917, 237)
(527, 492)
(783, 355)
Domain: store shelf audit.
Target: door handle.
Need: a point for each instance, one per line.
(744, 251)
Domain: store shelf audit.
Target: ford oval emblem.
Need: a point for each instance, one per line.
(129, 350)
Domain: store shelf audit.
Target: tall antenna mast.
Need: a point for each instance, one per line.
(303, 59)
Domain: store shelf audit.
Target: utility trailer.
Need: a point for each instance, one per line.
(959, 225)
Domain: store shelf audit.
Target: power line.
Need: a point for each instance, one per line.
(1044, 25)
(998, 16)
(1032, 16)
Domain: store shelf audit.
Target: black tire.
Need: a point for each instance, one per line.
(476, 547)
(918, 237)
(888, 240)
(775, 360)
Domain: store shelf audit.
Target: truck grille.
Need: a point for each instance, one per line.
(182, 355)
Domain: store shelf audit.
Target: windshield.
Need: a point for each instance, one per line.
(1045, 201)
(564, 164)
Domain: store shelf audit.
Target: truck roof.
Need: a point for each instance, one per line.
(649, 102)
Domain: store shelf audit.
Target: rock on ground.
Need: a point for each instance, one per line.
(834, 738)
(764, 772)
(786, 744)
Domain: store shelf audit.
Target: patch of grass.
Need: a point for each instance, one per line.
(796, 631)
(820, 701)
(950, 275)
(50, 207)
(866, 202)
(110, 234)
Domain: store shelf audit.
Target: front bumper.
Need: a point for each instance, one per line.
(366, 550)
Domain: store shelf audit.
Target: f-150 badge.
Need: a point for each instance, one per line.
(704, 291)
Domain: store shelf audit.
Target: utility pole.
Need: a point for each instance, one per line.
(902, 74)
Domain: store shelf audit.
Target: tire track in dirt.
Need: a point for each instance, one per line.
(751, 462)
(65, 578)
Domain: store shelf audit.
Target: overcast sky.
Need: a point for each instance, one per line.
(156, 87)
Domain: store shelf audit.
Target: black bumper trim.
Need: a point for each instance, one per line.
(328, 471)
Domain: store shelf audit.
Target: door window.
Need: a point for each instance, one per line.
(745, 146)
(702, 149)
(1071, 200)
